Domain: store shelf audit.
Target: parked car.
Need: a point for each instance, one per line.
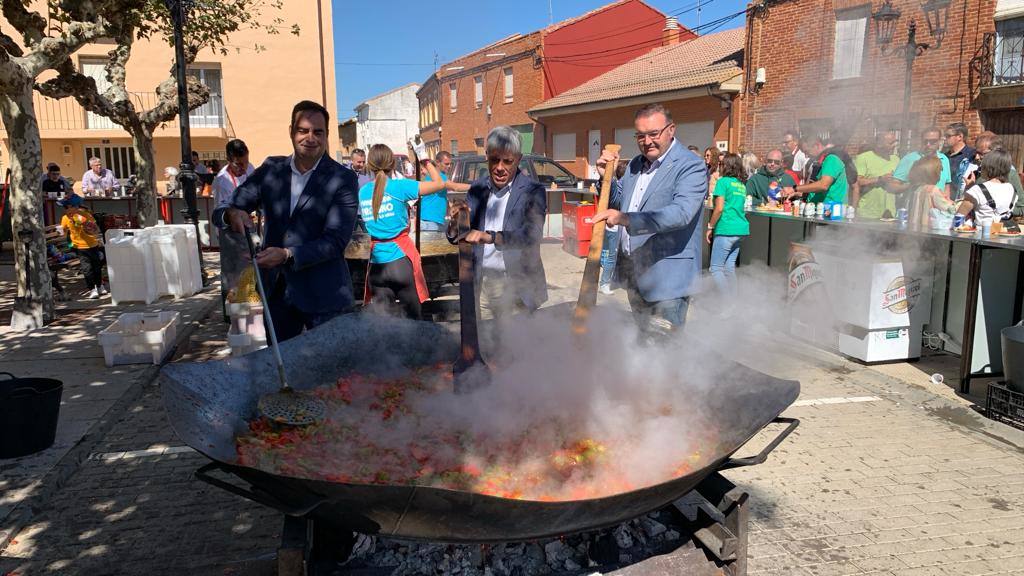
(541, 168)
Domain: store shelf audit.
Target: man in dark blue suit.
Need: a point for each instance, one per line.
(309, 204)
(506, 210)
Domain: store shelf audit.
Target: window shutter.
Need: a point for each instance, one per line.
(509, 84)
(565, 147)
(848, 51)
(478, 90)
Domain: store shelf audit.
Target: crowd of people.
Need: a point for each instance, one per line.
(310, 206)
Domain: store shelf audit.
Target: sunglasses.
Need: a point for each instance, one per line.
(771, 161)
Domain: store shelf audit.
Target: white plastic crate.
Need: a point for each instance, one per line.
(243, 343)
(130, 266)
(248, 319)
(139, 338)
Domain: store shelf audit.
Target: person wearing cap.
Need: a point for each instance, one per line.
(79, 224)
(53, 182)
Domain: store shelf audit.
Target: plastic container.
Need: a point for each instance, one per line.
(1012, 339)
(193, 269)
(29, 410)
(140, 338)
(242, 344)
(247, 319)
(172, 262)
(130, 266)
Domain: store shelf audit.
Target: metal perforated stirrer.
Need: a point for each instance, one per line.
(286, 406)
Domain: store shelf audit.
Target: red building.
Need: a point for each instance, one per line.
(821, 65)
(697, 79)
(498, 84)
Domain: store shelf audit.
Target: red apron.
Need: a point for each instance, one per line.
(408, 247)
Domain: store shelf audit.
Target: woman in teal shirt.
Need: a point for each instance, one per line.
(394, 273)
(728, 224)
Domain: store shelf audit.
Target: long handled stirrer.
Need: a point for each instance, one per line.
(286, 406)
(592, 271)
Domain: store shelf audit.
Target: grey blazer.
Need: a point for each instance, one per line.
(667, 230)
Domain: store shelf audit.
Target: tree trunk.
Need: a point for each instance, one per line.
(34, 306)
(145, 190)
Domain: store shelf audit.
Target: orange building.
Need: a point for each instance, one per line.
(251, 95)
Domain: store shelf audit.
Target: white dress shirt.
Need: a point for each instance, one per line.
(299, 180)
(643, 180)
(224, 184)
(494, 221)
(799, 161)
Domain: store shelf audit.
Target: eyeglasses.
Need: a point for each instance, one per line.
(653, 134)
(952, 135)
(772, 161)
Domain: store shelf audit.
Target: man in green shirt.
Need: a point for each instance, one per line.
(873, 166)
(830, 184)
(773, 170)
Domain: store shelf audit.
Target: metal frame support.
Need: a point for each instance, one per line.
(970, 317)
(719, 510)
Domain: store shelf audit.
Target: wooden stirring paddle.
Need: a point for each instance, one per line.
(592, 271)
(469, 370)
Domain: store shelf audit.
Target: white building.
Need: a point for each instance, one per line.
(390, 118)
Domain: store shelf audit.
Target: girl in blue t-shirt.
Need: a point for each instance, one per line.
(394, 272)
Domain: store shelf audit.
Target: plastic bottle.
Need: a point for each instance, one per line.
(748, 203)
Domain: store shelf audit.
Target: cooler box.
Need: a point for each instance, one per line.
(577, 227)
(880, 304)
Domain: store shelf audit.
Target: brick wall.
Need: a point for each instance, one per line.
(607, 121)
(793, 41)
(469, 122)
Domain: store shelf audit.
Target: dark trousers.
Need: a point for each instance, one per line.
(289, 321)
(393, 281)
(92, 266)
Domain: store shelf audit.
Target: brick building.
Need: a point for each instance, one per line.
(822, 68)
(696, 79)
(499, 83)
(997, 77)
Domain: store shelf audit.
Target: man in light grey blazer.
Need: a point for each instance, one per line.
(660, 209)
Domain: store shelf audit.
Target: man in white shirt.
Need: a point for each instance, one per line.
(506, 211)
(791, 143)
(309, 203)
(234, 172)
(659, 209)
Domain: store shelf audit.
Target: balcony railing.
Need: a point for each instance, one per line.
(999, 61)
(67, 114)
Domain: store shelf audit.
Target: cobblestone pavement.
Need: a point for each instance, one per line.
(882, 477)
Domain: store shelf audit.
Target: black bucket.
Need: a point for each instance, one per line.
(28, 414)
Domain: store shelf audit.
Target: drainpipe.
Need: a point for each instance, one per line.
(323, 71)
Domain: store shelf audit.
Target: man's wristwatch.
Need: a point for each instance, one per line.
(493, 235)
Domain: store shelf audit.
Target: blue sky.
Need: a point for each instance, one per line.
(378, 47)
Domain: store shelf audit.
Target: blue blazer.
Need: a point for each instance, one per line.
(667, 231)
(522, 232)
(317, 232)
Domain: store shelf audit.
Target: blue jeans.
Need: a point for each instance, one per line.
(724, 251)
(609, 253)
(651, 317)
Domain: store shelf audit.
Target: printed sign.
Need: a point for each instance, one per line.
(901, 294)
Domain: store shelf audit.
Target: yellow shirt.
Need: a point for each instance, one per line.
(82, 227)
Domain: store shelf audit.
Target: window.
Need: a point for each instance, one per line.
(453, 98)
(454, 148)
(211, 114)
(548, 172)
(564, 147)
(848, 54)
(479, 143)
(478, 90)
(1009, 52)
(120, 159)
(95, 69)
(626, 137)
(509, 84)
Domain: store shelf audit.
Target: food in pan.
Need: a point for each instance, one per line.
(380, 431)
(965, 229)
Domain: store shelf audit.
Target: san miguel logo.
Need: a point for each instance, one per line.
(804, 271)
(901, 294)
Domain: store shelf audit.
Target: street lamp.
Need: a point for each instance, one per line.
(936, 13)
(186, 172)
